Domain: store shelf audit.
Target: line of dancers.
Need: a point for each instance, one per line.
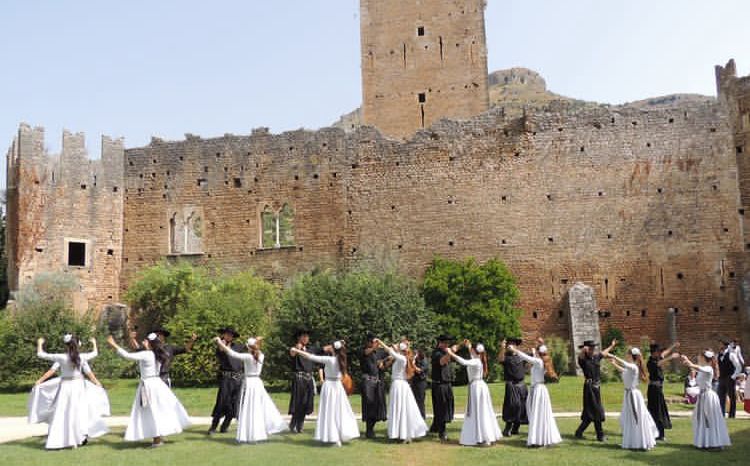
(74, 407)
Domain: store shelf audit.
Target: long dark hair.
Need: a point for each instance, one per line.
(159, 352)
(639, 362)
(341, 356)
(71, 348)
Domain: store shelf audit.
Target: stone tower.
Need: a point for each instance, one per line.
(734, 93)
(422, 60)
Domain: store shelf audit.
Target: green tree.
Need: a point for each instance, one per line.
(348, 305)
(472, 300)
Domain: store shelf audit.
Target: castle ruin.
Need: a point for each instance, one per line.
(647, 206)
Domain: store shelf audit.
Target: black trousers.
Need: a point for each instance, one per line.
(727, 389)
(442, 407)
(419, 389)
(585, 425)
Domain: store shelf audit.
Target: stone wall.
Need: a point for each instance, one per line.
(641, 205)
(422, 61)
(55, 200)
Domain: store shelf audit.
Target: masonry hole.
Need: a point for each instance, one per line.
(741, 211)
(726, 230)
(643, 313)
(110, 252)
(296, 177)
(671, 120)
(696, 309)
(731, 274)
(205, 169)
(316, 176)
(504, 198)
(551, 239)
(202, 182)
(680, 276)
(535, 315)
(583, 149)
(422, 97)
(420, 31)
(627, 313)
(355, 166)
(560, 314)
(238, 182)
(450, 243)
(659, 190)
(713, 130)
(83, 186)
(669, 233)
(740, 149)
(255, 179)
(549, 197)
(609, 236)
(736, 308)
(648, 144)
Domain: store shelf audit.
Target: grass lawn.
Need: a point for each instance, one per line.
(566, 397)
(193, 447)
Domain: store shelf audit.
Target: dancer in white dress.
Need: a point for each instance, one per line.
(41, 404)
(639, 431)
(405, 421)
(156, 411)
(480, 422)
(336, 421)
(258, 416)
(71, 421)
(543, 429)
(709, 426)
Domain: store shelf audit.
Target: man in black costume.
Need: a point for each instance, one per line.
(728, 366)
(419, 380)
(657, 405)
(442, 390)
(516, 392)
(593, 410)
(231, 376)
(171, 350)
(374, 407)
(301, 403)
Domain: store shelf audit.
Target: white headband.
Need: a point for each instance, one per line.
(542, 349)
(337, 345)
(67, 338)
(252, 341)
(480, 348)
(151, 336)
(635, 351)
(403, 346)
(708, 354)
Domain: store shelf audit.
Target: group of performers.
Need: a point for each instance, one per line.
(74, 407)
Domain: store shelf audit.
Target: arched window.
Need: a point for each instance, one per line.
(277, 227)
(186, 231)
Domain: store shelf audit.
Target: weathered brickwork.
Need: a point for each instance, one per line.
(55, 200)
(422, 61)
(644, 205)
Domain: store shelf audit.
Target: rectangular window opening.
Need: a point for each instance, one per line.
(420, 31)
(76, 254)
(422, 96)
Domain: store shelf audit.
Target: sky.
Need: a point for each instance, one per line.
(139, 68)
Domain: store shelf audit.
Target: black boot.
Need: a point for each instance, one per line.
(516, 428)
(370, 429)
(225, 424)
(599, 432)
(579, 432)
(214, 425)
(506, 430)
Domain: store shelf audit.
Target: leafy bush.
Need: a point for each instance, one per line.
(559, 352)
(43, 309)
(186, 299)
(348, 305)
(244, 301)
(474, 301)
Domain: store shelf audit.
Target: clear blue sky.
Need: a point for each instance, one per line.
(138, 68)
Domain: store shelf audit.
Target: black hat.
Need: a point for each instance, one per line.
(589, 343)
(445, 337)
(654, 347)
(162, 331)
(514, 340)
(301, 331)
(369, 337)
(229, 330)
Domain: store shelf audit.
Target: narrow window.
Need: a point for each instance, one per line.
(422, 97)
(286, 226)
(420, 31)
(268, 223)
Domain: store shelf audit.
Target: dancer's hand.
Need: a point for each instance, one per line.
(40, 341)
(194, 336)
(111, 341)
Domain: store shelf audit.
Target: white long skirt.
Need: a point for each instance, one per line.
(638, 433)
(404, 418)
(480, 422)
(543, 429)
(336, 421)
(156, 412)
(72, 408)
(258, 417)
(709, 426)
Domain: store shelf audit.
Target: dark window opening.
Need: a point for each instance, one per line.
(643, 313)
(627, 313)
(202, 182)
(114, 190)
(237, 182)
(110, 252)
(680, 276)
(420, 31)
(560, 314)
(696, 309)
(76, 254)
(83, 186)
(740, 149)
(535, 315)
(422, 97)
(450, 243)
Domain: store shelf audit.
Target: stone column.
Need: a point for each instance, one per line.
(584, 319)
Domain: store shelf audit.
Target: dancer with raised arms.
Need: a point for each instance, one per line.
(442, 389)
(657, 404)
(405, 421)
(516, 392)
(709, 425)
(480, 422)
(302, 401)
(336, 422)
(156, 411)
(639, 430)
(372, 388)
(543, 431)
(71, 421)
(593, 410)
(258, 417)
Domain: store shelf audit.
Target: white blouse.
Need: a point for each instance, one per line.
(252, 367)
(398, 370)
(630, 376)
(331, 366)
(537, 367)
(147, 364)
(474, 368)
(67, 369)
(704, 377)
